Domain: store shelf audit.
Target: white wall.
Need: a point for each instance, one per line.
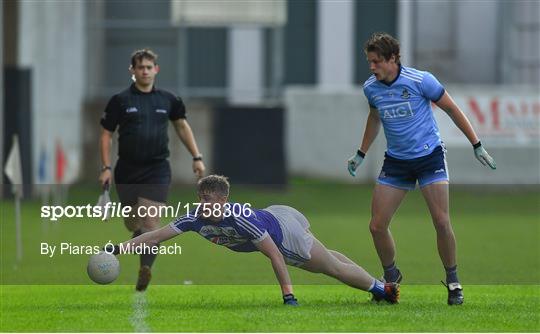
(245, 56)
(323, 129)
(476, 30)
(335, 43)
(457, 40)
(520, 52)
(477, 41)
(52, 44)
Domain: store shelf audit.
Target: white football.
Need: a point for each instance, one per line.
(103, 268)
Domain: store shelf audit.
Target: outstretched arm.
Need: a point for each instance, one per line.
(269, 248)
(150, 238)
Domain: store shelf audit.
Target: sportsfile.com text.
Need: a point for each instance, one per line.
(117, 210)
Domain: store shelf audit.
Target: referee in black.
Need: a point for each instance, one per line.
(142, 173)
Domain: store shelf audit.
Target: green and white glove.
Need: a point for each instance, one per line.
(355, 161)
(481, 154)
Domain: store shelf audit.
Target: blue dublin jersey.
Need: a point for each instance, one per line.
(404, 107)
(238, 233)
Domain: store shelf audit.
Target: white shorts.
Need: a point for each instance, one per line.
(297, 240)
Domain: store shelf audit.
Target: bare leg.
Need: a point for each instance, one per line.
(133, 223)
(341, 257)
(385, 202)
(336, 254)
(149, 223)
(436, 196)
(322, 261)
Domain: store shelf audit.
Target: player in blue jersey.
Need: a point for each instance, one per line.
(400, 99)
(279, 232)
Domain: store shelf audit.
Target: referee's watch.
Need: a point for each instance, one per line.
(197, 157)
(104, 168)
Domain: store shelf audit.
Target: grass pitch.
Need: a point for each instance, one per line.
(498, 235)
(258, 309)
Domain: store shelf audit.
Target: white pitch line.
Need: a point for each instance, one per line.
(138, 317)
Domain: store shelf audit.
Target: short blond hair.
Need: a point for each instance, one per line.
(214, 184)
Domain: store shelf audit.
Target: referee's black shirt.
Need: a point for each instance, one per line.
(142, 121)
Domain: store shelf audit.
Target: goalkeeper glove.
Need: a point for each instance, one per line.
(481, 154)
(290, 300)
(355, 161)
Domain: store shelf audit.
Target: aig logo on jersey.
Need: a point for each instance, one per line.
(396, 111)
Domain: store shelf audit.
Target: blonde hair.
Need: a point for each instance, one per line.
(213, 184)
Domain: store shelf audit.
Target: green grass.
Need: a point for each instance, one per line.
(258, 309)
(498, 236)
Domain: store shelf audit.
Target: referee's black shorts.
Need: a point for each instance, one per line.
(150, 181)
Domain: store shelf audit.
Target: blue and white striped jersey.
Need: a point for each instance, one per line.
(404, 107)
(236, 233)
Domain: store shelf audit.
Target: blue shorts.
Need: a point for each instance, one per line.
(403, 174)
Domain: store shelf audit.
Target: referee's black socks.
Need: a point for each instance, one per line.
(148, 259)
